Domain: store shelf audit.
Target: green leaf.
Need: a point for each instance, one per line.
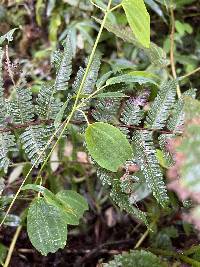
(155, 53)
(46, 227)
(74, 202)
(138, 19)
(71, 204)
(107, 145)
(140, 77)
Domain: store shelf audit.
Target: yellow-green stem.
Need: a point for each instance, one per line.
(12, 246)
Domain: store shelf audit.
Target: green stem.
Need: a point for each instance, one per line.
(97, 6)
(84, 115)
(115, 7)
(12, 246)
(189, 74)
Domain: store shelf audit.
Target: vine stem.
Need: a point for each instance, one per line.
(66, 122)
(84, 115)
(173, 67)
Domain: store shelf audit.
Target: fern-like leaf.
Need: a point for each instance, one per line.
(7, 144)
(118, 196)
(21, 107)
(91, 76)
(146, 156)
(64, 66)
(135, 259)
(2, 100)
(34, 142)
(132, 114)
(176, 121)
(123, 201)
(164, 140)
(47, 106)
(106, 110)
(161, 107)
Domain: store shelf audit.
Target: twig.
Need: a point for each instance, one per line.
(189, 74)
(76, 105)
(52, 161)
(84, 115)
(172, 47)
(47, 122)
(115, 7)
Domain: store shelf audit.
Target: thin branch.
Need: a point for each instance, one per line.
(84, 115)
(115, 7)
(189, 74)
(47, 122)
(103, 10)
(24, 125)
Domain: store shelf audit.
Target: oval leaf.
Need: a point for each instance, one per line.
(74, 202)
(107, 145)
(138, 19)
(70, 204)
(47, 230)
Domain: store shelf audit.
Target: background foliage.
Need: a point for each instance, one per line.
(141, 191)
